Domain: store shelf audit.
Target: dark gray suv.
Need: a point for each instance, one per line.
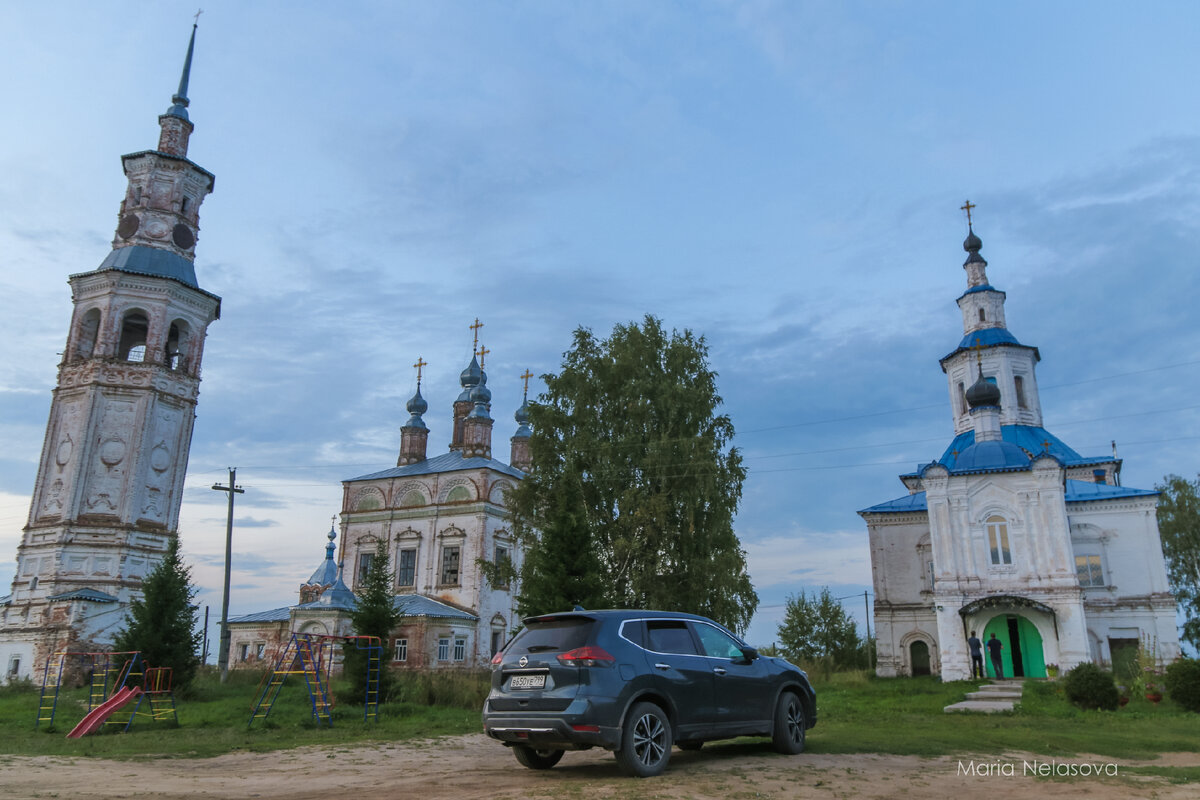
(637, 682)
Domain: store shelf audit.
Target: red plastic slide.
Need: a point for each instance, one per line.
(95, 718)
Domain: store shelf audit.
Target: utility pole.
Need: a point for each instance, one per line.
(204, 646)
(223, 652)
(870, 644)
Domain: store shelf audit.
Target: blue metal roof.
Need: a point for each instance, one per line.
(987, 287)
(909, 502)
(274, 615)
(1083, 491)
(987, 338)
(1030, 438)
(419, 605)
(994, 456)
(447, 462)
(91, 595)
(337, 596)
(142, 260)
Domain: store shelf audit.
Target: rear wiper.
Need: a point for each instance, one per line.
(540, 648)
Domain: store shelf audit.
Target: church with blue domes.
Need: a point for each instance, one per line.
(1012, 532)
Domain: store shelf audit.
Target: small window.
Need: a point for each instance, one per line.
(364, 565)
(1087, 568)
(669, 636)
(443, 650)
(33, 583)
(929, 573)
(460, 649)
(183, 205)
(259, 650)
(406, 567)
(1019, 384)
(450, 558)
(401, 653)
(982, 316)
(962, 399)
(497, 641)
(503, 559)
(997, 530)
(14, 666)
(244, 652)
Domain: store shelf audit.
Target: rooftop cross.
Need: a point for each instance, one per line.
(967, 206)
(418, 366)
(483, 351)
(525, 377)
(199, 11)
(476, 328)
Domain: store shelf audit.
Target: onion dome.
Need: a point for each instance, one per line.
(416, 407)
(480, 396)
(973, 244)
(470, 378)
(522, 418)
(983, 393)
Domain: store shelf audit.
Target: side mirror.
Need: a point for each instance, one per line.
(749, 653)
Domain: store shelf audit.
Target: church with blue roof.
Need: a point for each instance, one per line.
(1011, 532)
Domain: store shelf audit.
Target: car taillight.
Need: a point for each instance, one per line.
(496, 659)
(586, 657)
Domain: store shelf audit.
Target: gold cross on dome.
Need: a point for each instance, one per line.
(525, 377)
(476, 328)
(420, 363)
(1046, 445)
(483, 351)
(967, 206)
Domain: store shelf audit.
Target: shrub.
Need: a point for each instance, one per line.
(1183, 683)
(1087, 686)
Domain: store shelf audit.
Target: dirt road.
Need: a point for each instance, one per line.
(474, 766)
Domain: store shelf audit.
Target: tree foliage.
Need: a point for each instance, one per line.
(818, 629)
(634, 483)
(163, 623)
(1179, 527)
(374, 614)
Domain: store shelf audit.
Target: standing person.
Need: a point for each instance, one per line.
(994, 647)
(976, 656)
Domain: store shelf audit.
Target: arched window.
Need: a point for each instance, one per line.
(1019, 383)
(177, 341)
(982, 316)
(85, 336)
(134, 329)
(962, 398)
(997, 531)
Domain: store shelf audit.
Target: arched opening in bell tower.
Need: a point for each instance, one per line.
(177, 342)
(135, 327)
(86, 334)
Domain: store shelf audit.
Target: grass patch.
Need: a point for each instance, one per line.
(904, 716)
(214, 720)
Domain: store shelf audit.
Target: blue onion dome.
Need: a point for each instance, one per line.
(471, 375)
(481, 394)
(983, 393)
(522, 414)
(417, 405)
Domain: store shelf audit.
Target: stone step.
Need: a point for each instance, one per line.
(1005, 695)
(980, 706)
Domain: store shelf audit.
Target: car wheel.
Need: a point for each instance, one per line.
(790, 725)
(690, 745)
(645, 741)
(535, 758)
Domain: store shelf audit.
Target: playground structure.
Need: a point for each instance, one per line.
(114, 680)
(311, 655)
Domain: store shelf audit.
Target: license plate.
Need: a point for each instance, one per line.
(527, 682)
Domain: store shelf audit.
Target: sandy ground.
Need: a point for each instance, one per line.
(471, 766)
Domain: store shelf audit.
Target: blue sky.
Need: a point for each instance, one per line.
(782, 177)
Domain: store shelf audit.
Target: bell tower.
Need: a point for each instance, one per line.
(110, 480)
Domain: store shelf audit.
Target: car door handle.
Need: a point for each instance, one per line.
(719, 670)
(661, 665)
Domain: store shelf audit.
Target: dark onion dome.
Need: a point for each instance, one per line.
(471, 375)
(522, 418)
(983, 393)
(973, 244)
(417, 404)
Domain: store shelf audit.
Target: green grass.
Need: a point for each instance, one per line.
(213, 720)
(904, 716)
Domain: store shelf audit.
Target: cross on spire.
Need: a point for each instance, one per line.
(199, 11)
(967, 206)
(525, 377)
(421, 363)
(475, 328)
(482, 353)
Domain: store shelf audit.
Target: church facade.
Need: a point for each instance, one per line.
(110, 479)
(1012, 532)
(437, 519)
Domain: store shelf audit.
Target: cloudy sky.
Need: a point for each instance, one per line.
(782, 177)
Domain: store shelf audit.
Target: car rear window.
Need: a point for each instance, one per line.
(553, 635)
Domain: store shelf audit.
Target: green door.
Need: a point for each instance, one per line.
(1028, 643)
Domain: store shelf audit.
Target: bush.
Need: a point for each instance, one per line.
(1183, 683)
(1087, 686)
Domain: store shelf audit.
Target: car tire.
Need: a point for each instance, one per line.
(692, 746)
(534, 758)
(790, 725)
(645, 741)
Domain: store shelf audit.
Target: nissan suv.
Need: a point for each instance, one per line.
(636, 683)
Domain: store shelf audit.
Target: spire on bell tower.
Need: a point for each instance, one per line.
(175, 124)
